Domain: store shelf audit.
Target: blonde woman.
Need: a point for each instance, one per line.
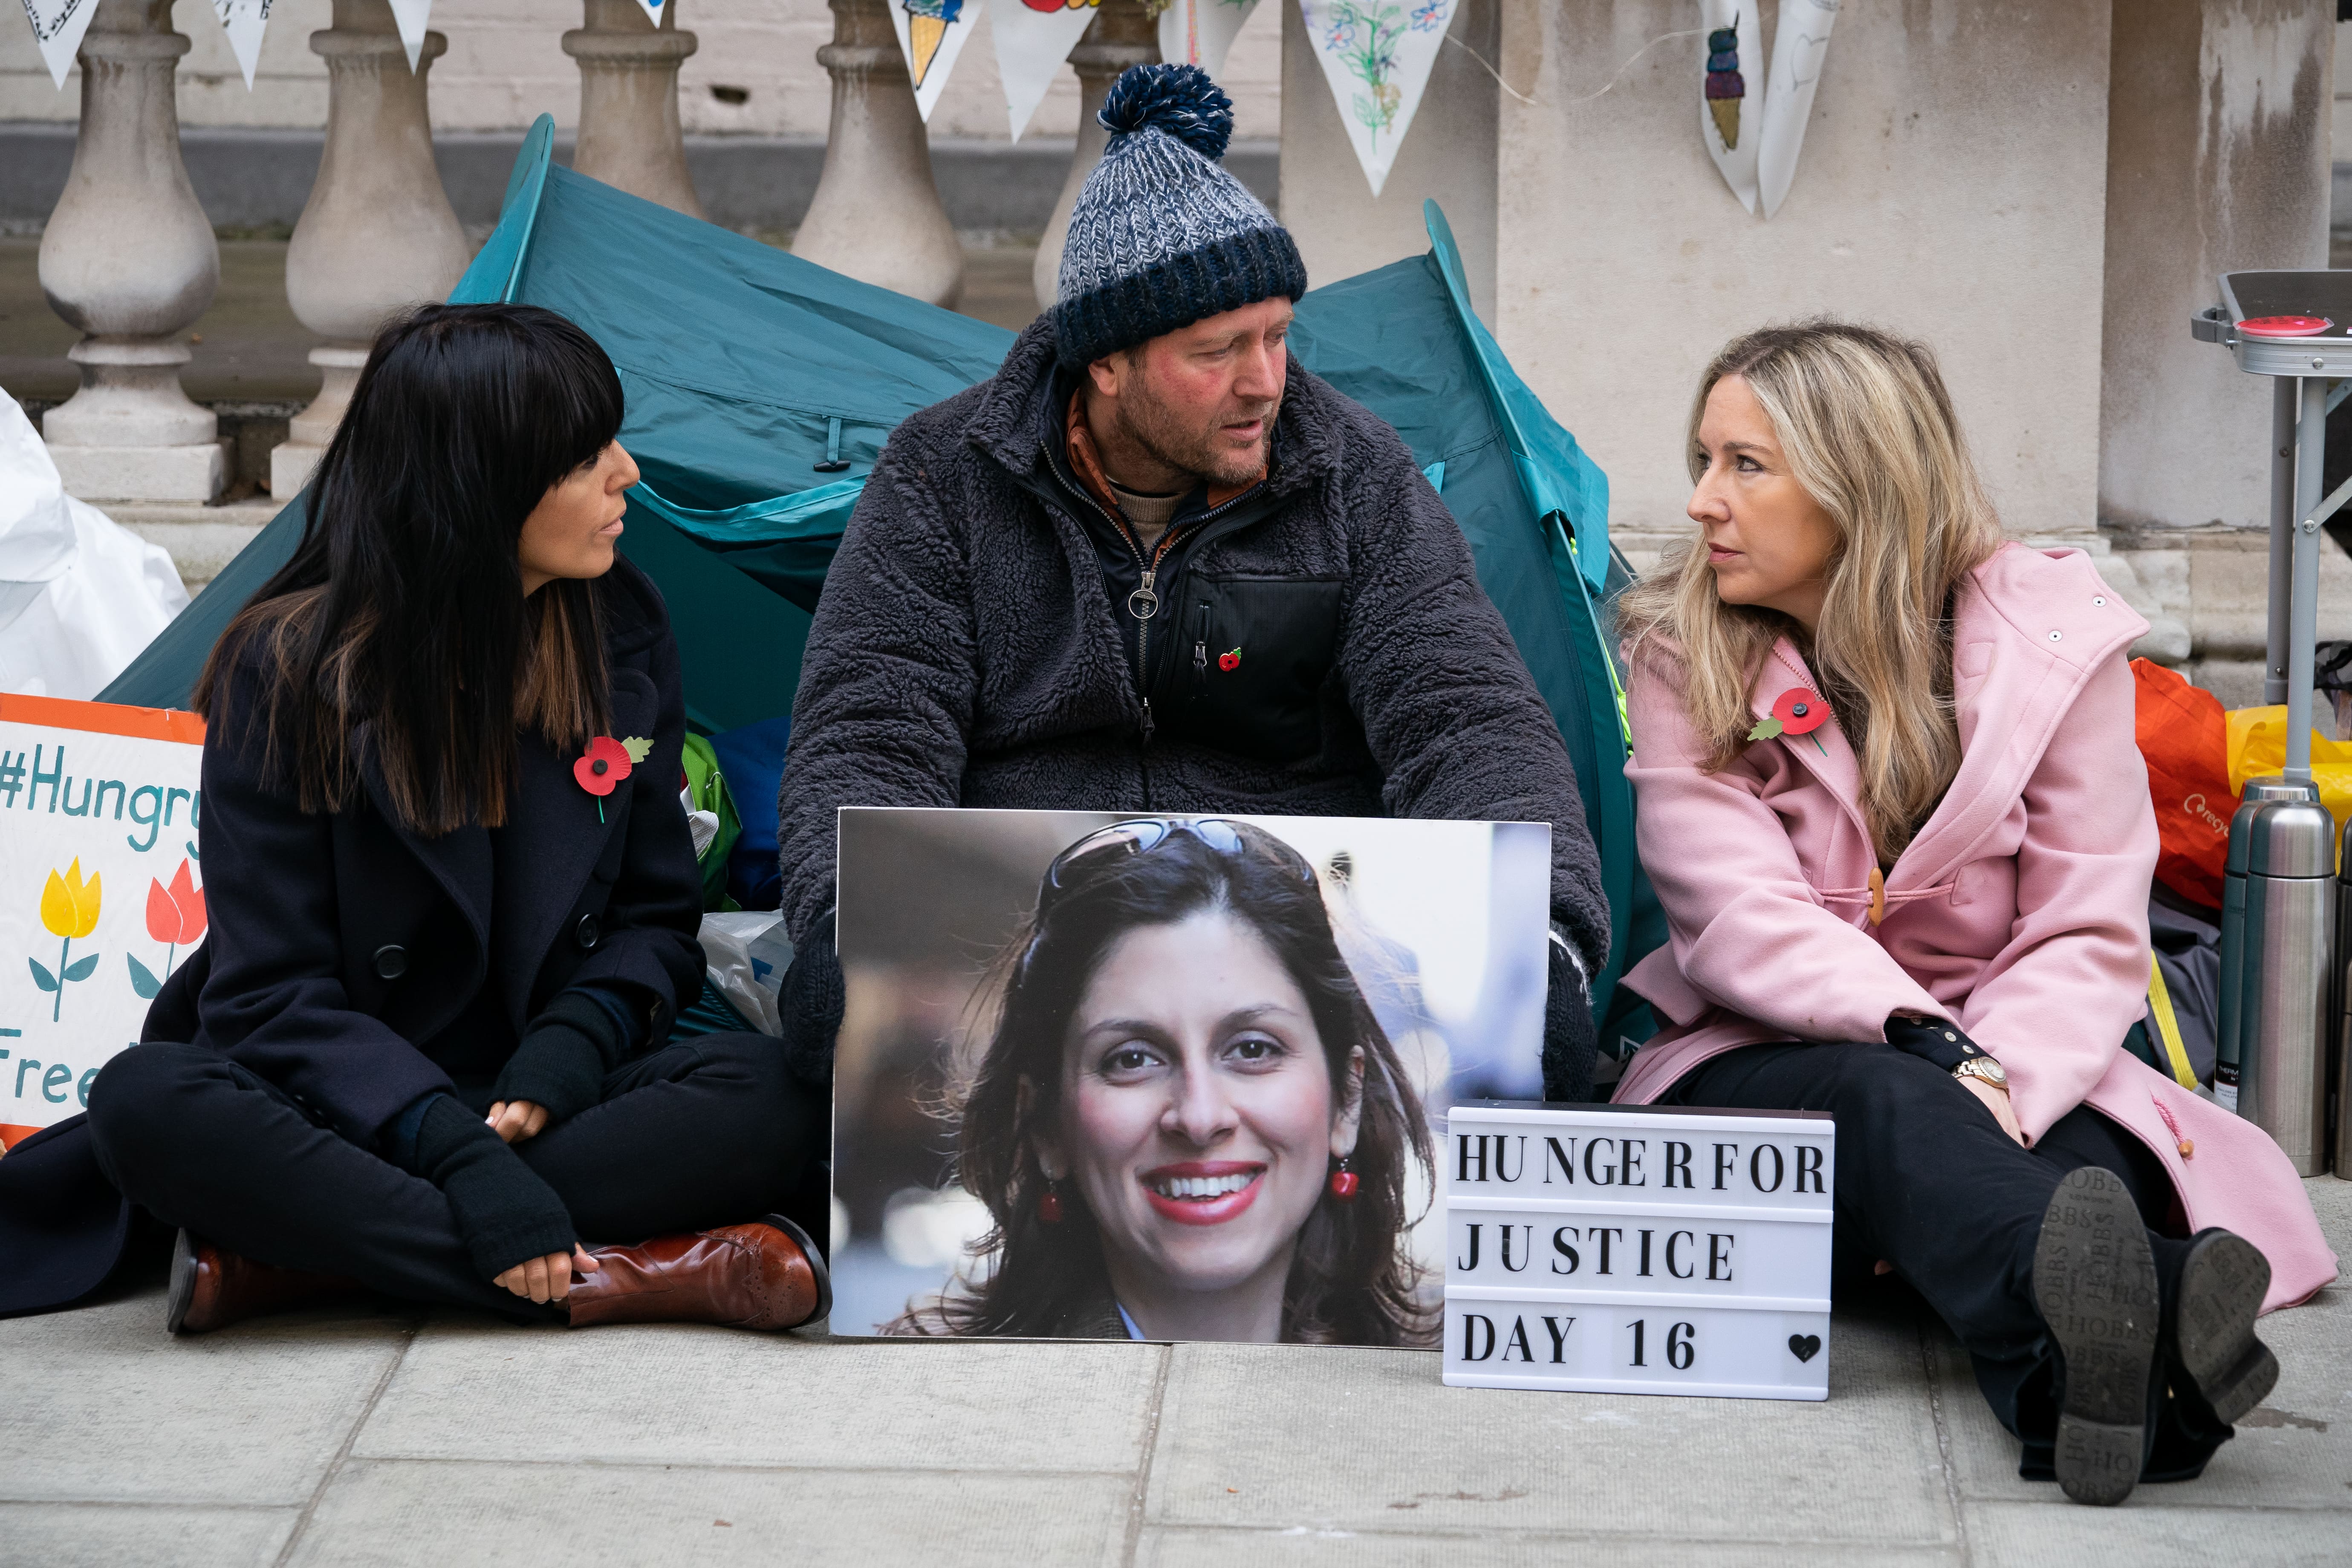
(1891, 802)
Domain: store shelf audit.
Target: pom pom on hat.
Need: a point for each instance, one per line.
(1181, 100)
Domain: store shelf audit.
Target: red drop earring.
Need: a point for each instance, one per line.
(1343, 1181)
(1049, 1203)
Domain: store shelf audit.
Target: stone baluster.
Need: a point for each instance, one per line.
(378, 233)
(629, 135)
(877, 213)
(129, 259)
(1122, 34)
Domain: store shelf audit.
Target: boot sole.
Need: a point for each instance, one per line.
(182, 1291)
(2095, 1282)
(2221, 1291)
(815, 1262)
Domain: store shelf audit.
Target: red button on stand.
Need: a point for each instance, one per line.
(2284, 326)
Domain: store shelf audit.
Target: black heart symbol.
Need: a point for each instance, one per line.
(1805, 1347)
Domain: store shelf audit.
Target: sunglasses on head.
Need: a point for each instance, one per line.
(1106, 847)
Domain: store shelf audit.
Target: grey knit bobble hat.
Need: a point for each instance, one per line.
(1161, 237)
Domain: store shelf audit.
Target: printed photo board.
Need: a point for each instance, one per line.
(1168, 1078)
(101, 890)
(1617, 1250)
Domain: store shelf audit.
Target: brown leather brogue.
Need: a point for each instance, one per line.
(213, 1287)
(768, 1276)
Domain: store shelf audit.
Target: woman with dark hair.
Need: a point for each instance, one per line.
(1188, 1123)
(453, 898)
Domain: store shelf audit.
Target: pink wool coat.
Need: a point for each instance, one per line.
(2018, 913)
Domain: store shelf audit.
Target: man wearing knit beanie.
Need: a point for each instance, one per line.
(1155, 565)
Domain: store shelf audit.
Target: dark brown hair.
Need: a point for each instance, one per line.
(1352, 1279)
(398, 633)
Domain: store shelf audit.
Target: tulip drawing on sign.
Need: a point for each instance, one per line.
(175, 916)
(68, 910)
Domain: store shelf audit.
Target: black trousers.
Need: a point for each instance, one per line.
(1927, 1181)
(712, 1129)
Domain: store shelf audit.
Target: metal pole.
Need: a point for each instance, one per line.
(2284, 518)
(2303, 612)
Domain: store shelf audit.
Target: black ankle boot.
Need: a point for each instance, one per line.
(2222, 1282)
(2094, 1283)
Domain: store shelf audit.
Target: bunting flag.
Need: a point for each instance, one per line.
(1201, 32)
(932, 34)
(653, 9)
(1800, 42)
(57, 27)
(1731, 94)
(1376, 56)
(410, 16)
(245, 21)
(1034, 38)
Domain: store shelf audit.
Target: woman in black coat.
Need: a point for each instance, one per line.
(453, 900)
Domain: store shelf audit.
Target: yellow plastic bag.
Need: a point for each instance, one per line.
(2258, 747)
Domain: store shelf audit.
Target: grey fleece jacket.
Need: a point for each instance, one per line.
(966, 653)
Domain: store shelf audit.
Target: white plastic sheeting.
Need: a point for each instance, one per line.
(80, 595)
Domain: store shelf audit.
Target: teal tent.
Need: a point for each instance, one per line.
(761, 389)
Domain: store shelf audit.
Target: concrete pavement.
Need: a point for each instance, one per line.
(371, 1438)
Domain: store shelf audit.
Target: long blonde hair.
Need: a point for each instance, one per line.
(1868, 430)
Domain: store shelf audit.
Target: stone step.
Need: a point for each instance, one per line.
(202, 539)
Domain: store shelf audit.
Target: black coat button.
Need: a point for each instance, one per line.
(390, 961)
(587, 931)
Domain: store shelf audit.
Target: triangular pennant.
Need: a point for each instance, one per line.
(245, 21)
(1034, 37)
(653, 9)
(1800, 42)
(57, 27)
(1731, 93)
(1376, 56)
(410, 16)
(1202, 32)
(932, 34)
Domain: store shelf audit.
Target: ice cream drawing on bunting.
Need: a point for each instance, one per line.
(1724, 86)
(1730, 97)
(932, 34)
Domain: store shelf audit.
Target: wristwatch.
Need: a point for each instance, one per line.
(1983, 1068)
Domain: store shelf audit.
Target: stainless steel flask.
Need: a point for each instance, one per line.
(2235, 967)
(2284, 994)
(2340, 973)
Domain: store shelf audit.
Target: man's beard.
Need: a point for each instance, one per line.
(1156, 428)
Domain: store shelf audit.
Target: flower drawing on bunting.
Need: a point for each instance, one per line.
(1376, 56)
(602, 766)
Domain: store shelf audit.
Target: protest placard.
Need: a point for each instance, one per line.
(1168, 1078)
(1627, 1251)
(100, 890)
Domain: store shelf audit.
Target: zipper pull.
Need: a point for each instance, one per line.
(1200, 659)
(1143, 603)
(1147, 721)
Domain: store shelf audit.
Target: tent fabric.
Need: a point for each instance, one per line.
(761, 389)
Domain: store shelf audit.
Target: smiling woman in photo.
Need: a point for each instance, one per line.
(1188, 1124)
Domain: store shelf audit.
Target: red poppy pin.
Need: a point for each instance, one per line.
(1230, 661)
(600, 768)
(1797, 711)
